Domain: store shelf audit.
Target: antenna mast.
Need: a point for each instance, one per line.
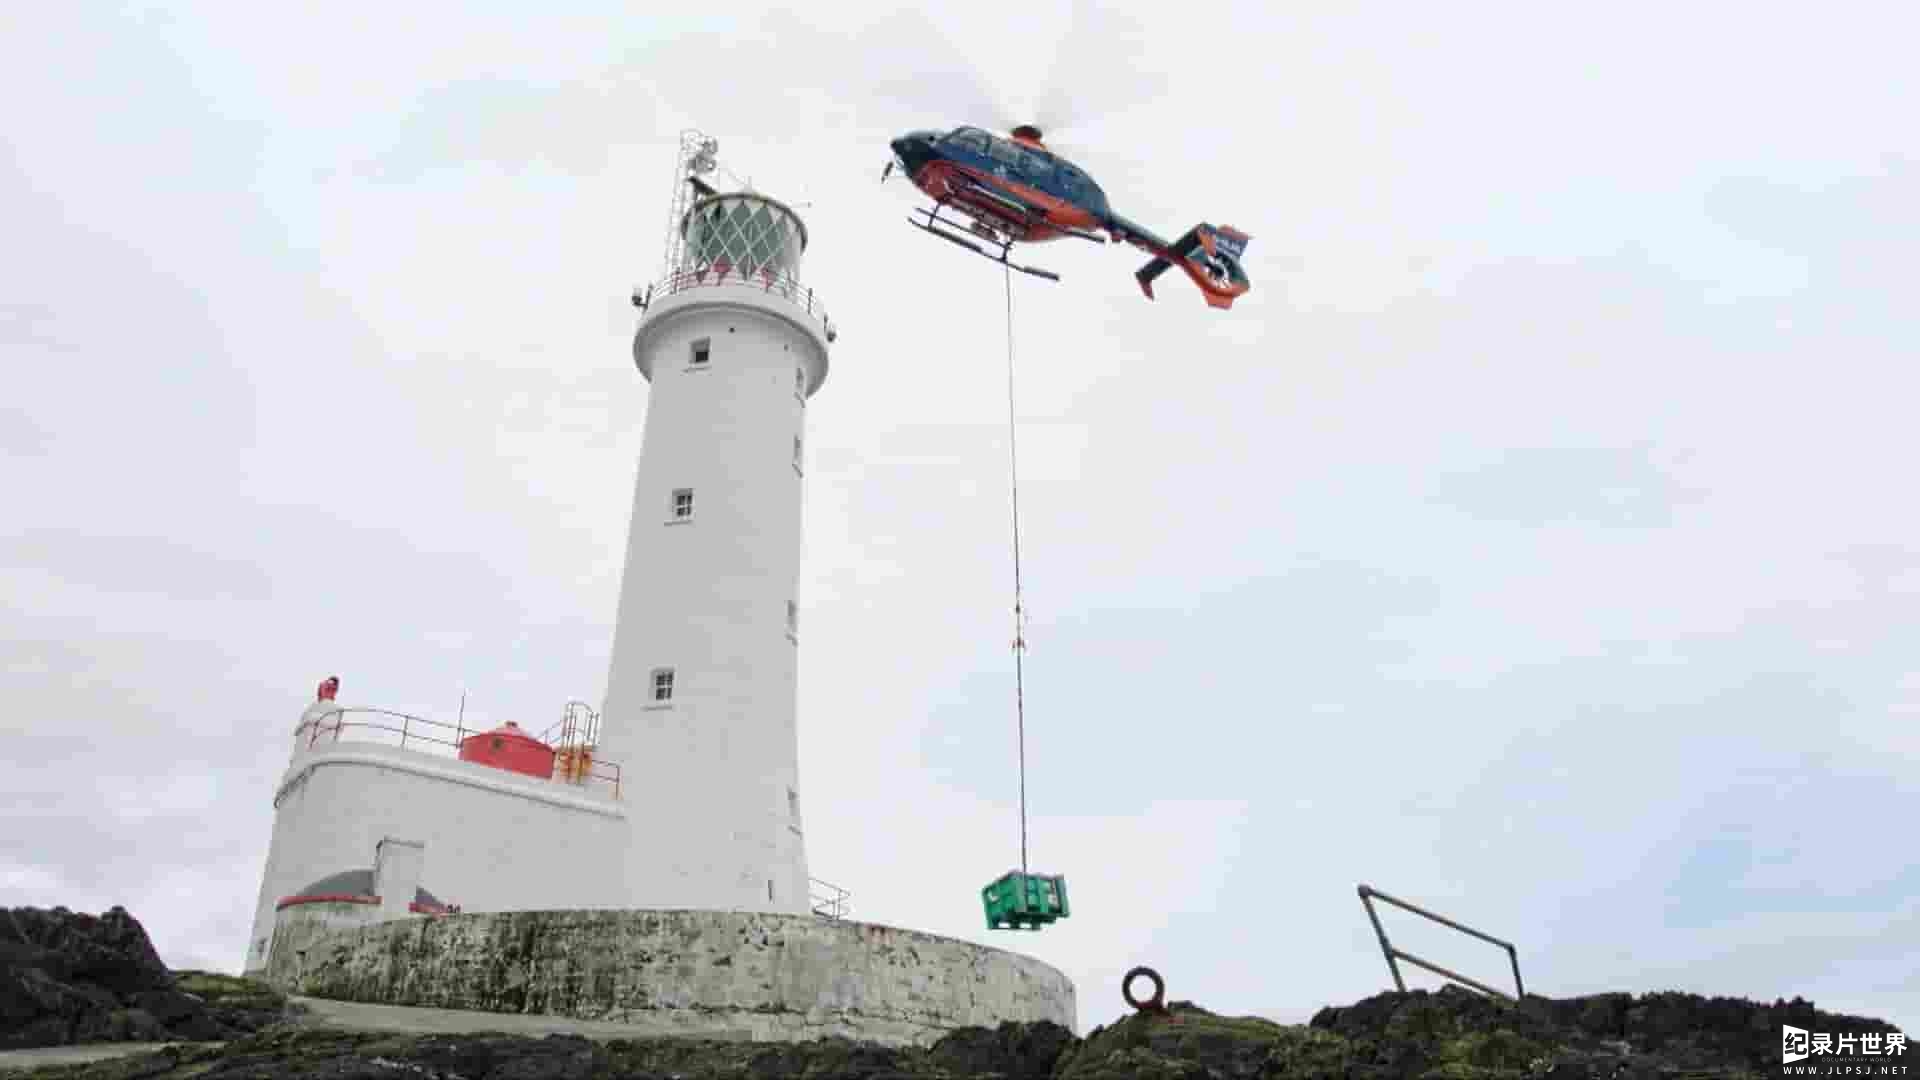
(696, 157)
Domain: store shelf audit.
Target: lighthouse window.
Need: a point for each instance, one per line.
(663, 684)
(700, 350)
(682, 503)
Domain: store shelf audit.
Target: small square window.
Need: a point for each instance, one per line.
(682, 503)
(701, 349)
(663, 684)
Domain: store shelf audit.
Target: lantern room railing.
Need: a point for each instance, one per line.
(768, 279)
(384, 727)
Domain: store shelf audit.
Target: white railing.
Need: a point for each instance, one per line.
(407, 732)
(774, 282)
(829, 901)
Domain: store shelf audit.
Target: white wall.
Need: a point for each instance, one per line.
(493, 840)
(712, 775)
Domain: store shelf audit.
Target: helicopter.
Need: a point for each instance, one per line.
(1016, 190)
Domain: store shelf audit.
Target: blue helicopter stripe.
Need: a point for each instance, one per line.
(1050, 183)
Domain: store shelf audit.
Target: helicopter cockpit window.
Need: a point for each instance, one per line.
(1080, 186)
(1006, 153)
(1038, 167)
(969, 139)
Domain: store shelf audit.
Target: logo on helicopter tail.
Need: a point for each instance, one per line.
(1228, 241)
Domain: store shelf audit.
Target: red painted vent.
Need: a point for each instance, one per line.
(507, 747)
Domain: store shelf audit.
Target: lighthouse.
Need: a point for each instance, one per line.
(700, 704)
(645, 862)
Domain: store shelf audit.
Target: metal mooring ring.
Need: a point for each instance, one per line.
(1154, 1004)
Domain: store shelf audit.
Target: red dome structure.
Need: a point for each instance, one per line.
(507, 747)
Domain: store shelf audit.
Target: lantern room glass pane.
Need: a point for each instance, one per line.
(750, 234)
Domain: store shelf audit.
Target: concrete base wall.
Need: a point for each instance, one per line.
(767, 977)
(296, 929)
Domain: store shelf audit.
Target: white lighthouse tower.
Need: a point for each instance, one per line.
(646, 863)
(700, 706)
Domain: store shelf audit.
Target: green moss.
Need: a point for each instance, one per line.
(1195, 1041)
(1499, 1053)
(229, 990)
(1500, 1049)
(1304, 1051)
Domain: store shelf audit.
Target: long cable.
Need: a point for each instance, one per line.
(1019, 620)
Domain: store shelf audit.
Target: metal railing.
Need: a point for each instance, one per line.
(829, 901)
(384, 727)
(579, 725)
(774, 282)
(1394, 956)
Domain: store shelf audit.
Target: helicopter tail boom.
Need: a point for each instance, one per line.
(1210, 255)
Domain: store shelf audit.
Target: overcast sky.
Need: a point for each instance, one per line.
(1536, 541)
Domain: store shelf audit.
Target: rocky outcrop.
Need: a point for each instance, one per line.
(71, 978)
(68, 978)
(1648, 1035)
(1450, 1035)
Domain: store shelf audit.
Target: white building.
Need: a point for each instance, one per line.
(683, 791)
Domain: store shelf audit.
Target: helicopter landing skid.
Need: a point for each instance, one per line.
(939, 227)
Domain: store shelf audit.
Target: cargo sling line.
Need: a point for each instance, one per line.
(1019, 616)
(1020, 899)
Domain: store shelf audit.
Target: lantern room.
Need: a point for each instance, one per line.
(507, 747)
(746, 231)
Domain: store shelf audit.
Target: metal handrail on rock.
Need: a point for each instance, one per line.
(1394, 956)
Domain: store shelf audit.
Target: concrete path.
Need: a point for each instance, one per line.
(17, 1060)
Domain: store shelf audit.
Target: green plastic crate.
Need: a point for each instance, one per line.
(1018, 901)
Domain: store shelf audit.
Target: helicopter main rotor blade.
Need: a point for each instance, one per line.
(938, 85)
(1101, 69)
(932, 83)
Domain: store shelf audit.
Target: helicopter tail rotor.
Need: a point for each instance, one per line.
(1209, 254)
